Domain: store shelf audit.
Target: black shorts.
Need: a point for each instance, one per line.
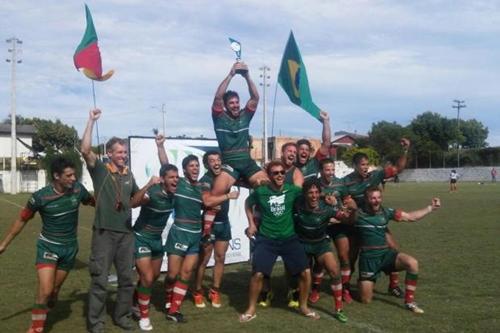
(453, 181)
(267, 250)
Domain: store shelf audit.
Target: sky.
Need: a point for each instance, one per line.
(367, 61)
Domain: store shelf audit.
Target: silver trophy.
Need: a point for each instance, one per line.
(236, 47)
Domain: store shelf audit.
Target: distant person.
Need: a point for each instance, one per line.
(57, 243)
(453, 180)
(493, 175)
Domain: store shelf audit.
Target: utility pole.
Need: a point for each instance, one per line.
(14, 50)
(459, 105)
(264, 69)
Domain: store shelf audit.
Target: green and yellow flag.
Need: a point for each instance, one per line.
(293, 78)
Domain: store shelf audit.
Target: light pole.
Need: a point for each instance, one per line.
(14, 42)
(459, 104)
(163, 112)
(264, 69)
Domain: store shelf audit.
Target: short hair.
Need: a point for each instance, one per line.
(274, 163)
(207, 154)
(288, 144)
(228, 95)
(59, 164)
(310, 183)
(166, 168)
(188, 159)
(356, 158)
(111, 142)
(372, 189)
(325, 161)
(304, 142)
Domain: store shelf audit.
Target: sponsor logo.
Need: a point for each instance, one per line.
(366, 274)
(181, 247)
(228, 167)
(50, 256)
(235, 244)
(143, 249)
(277, 204)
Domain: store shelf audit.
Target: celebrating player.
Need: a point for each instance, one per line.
(57, 243)
(231, 125)
(157, 202)
(276, 237)
(376, 255)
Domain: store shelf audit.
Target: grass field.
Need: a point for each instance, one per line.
(458, 248)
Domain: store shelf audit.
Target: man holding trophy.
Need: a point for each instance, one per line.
(231, 125)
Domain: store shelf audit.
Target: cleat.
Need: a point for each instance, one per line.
(293, 299)
(214, 297)
(176, 317)
(199, 301)
(314, 296)
(265, 299)
(340, 316)
(346, 296)
(145, 324)
(396, 292)
(413, 307)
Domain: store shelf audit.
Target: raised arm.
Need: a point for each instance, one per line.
(162, 153)
(140, 198)
(252, 90)
(86, 146)
(16, 228)
(326, 134)
(420, 213)
(218, 104)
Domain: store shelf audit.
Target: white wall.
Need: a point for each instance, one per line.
(27, 180)
(5, 146)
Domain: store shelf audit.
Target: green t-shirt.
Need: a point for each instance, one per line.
(113, 191)
(187, 206)
(289, 175)
(59, 212)
(310, 225)
(371, 227)
(233, 133)
(356, 185)
(276, 208)
(206, 185)
(154, 215)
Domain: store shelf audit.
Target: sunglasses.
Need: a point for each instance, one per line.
(275, 173)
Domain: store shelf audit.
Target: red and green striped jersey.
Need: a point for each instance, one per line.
(187, 206)
(233, 133)
(276, 209)
(357, 185)
(154, 215)
(310, 225)
(59, 212)
(371, 227)
(206, 185)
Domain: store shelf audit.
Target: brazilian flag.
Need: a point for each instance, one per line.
(293, 78)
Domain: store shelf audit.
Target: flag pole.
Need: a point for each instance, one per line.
(274, 107)
(96, 124)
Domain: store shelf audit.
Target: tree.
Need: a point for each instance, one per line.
(373, 157)
(474, 134)
(430, 126)
(54, 136)
(384, 137)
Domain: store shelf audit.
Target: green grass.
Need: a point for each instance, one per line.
(458, 249)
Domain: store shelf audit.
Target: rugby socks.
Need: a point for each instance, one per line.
(38, 317)
(169, 287)
(208, 221)
(393, 280)
(143, 300)
(337, 292)
(411, 286)
(345, 271)
(316, 281)
(178, 294)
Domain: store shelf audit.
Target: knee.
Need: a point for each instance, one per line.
(413, 265)
(258, 276)
(147, 280)
(220, 258)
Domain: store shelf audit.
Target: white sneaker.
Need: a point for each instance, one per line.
(145, 324)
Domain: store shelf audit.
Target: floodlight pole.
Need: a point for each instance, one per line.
(13, 157)
(264, 69)
(459, 104)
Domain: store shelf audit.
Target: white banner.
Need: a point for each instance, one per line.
(144, 163)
